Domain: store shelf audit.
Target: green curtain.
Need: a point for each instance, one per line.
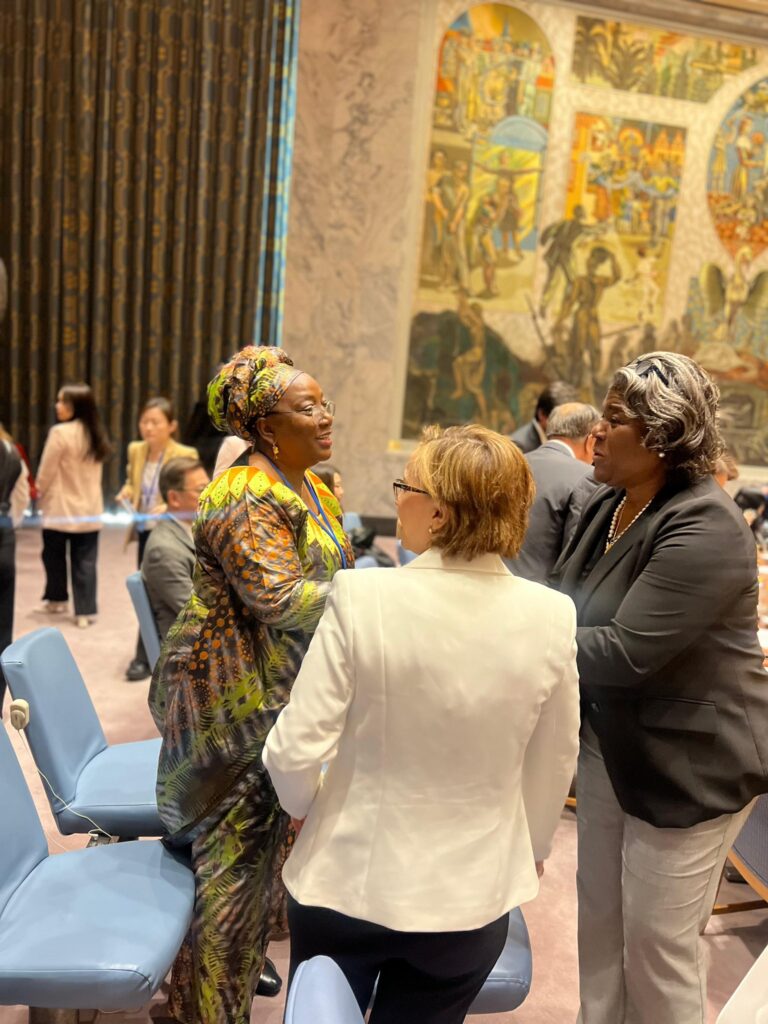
(145, 156)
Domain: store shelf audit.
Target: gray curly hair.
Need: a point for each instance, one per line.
(677, 402)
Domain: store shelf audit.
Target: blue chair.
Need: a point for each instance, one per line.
(98, 927)
(115, 786)
(749, 855)
(147, 625)
(508, 984)
(320, 994)
(351, 521)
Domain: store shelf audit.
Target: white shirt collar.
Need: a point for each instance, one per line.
(539, 430)
(562, 444)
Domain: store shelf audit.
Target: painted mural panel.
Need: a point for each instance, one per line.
(623, 186)
(737, 180)
(655, 61)
(489, 136)
(490, 120)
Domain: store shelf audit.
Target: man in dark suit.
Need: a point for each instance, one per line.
(562, 471)
(533, 434)
(169, 557)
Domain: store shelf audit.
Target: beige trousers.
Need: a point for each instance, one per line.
(645, 894)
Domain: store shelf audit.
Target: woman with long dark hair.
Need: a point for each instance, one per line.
(69, 481)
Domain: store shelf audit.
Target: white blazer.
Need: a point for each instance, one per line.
(444, 696)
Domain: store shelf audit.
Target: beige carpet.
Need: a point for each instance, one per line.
(103, 652)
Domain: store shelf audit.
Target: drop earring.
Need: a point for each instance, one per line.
(275, 450)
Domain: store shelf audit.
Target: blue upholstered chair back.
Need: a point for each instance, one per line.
(751, 844)
(23, 845)
(351, 521)
(320, 994)
(143, 609)
(64, 732)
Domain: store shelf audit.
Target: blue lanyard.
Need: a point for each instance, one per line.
(325, 526)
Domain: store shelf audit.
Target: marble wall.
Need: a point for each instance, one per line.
(366, 75)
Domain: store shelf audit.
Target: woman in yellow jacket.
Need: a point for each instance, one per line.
(141, 491)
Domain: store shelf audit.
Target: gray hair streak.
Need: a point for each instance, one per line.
(573, 420)
(677, 402)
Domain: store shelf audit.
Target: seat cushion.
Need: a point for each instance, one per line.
(95, 928)
(320, 994)
(509, 982)
(117, 790)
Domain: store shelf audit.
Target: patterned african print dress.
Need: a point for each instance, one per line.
(264, 566)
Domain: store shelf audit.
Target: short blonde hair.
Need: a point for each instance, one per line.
(483, 482)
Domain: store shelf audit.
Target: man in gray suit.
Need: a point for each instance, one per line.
(562, 471)
(169, 557)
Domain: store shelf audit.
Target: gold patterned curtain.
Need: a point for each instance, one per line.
(144, 162)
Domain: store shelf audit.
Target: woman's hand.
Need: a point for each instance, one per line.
(123, 493)
(539, 868)
(298, 824)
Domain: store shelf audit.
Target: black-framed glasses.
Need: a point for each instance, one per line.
(326, 408)
(400, 487)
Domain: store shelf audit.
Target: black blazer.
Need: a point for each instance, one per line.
(670, 667)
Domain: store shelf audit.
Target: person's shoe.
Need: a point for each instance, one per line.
(270, 981)
(137, 671)
(82, 622)
(52, 608)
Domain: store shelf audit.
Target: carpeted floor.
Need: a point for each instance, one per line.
(103, 652)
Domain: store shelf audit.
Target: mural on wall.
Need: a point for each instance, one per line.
(655, 61)
(737, 180)
(506, 303)
(490, 119)
(489, 138)
(623, 185)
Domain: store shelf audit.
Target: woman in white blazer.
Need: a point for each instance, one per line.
(443, 697)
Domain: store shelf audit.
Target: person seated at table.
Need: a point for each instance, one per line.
(169, 556)
(450, 740)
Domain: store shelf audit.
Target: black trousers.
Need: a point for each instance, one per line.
(83, 553)
(141, 651)
(423, 977)
(7, 591)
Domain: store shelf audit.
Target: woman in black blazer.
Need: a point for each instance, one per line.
(674, 742)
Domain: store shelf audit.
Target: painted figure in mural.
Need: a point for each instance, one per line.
(453, 192)
(434, 217)
(745, 152)
(582, 343)
(719, 171)
(647, 275)
(559, 239)
(469, 366)
(509, 210)
(484, 250)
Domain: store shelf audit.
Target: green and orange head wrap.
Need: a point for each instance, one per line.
(247, 387)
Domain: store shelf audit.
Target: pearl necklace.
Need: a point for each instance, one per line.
(612, 535)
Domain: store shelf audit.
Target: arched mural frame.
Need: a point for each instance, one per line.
(490, 110)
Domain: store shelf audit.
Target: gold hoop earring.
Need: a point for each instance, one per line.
(275, 450)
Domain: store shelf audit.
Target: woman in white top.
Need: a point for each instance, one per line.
(444, 699)
(71, 500)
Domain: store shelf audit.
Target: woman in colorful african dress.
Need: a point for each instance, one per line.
(268, 540)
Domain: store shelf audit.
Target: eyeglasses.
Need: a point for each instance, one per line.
(326, 408)
(399, 487)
